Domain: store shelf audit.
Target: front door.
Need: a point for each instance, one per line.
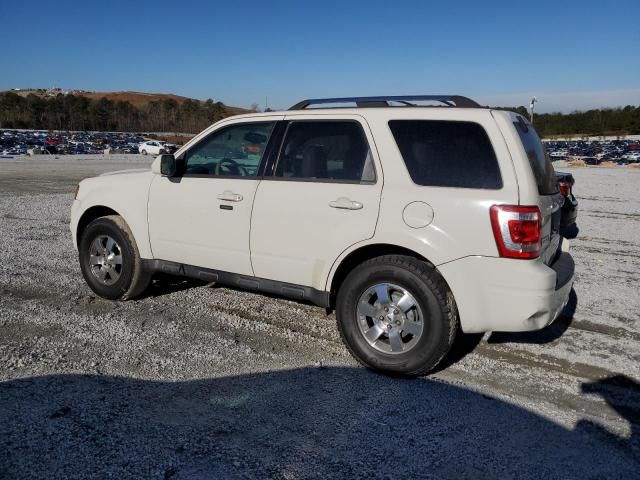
(322, 197)
(202, 216)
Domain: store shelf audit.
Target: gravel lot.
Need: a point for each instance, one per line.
(197, 381)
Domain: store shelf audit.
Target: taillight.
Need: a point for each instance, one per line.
(517, 230)
(565, 188)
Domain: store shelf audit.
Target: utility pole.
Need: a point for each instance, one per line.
(533, 101)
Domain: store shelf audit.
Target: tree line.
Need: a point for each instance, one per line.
(606, 121)
(75, 112)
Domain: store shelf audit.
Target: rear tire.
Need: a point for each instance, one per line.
(396, 314)
(110, 261)
(144, 152)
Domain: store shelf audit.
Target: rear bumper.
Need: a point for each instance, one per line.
(505, 295)
(569, 211)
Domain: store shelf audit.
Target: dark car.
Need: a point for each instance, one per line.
(568, 227)
(170, 148)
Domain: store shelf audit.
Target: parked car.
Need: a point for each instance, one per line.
(411, 222)
(62, 142)
(170, 147)
(152, 147)
(568, 227)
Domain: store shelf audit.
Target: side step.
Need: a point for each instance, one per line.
(244, 282)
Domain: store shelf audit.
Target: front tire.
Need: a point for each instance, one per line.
(396, 314)
(109, 259)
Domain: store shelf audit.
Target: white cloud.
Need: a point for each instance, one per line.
(564, 101)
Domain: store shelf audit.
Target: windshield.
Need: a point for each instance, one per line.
(538, 158)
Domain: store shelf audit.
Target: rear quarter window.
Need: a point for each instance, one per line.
(447, 153)
(538, 159)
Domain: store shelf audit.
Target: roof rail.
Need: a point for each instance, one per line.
(384, 101)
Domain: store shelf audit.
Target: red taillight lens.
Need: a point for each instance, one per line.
(565, 188)
(524, 231)
(517, 230)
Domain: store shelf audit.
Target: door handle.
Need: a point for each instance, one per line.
(345, 204)
(229, 196)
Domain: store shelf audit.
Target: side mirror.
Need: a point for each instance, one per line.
(168, 165)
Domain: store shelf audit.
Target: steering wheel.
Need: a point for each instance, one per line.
(232, 166)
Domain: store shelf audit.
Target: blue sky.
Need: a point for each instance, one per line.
(572, 55)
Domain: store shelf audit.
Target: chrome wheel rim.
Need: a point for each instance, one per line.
(390, 318)
(105, 259)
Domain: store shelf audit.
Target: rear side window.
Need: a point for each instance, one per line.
(326, 150)
(538, 158)
(447, 153)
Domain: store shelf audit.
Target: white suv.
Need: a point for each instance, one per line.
(409, 221)
(152, 147)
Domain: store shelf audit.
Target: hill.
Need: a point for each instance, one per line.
(57, 109)
(137, 99)
(141, 99)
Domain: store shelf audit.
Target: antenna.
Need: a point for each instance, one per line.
(533, 102)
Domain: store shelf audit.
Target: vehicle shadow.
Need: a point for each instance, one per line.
(167, 284)
(622, 394)
(463, 345)
(305, 423)
(546, 335)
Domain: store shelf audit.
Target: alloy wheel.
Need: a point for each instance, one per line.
(390, 318)
(105, 259)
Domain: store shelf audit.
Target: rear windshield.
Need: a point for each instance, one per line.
(447, 153)
(538, 158)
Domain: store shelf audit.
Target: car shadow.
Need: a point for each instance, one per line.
(307, 423)
(546, 335)
(622, 394)
(463, 345)
(164, 284)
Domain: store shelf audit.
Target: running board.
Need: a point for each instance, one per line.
(244, 282)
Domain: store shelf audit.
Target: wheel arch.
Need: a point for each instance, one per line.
(362, 254)
(89, 215)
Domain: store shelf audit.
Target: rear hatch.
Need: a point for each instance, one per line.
(551, 200)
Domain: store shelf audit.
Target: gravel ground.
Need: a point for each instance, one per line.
(195, 381)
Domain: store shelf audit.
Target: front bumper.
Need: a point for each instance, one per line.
(506, 295)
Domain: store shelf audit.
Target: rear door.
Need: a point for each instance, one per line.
(321, 194)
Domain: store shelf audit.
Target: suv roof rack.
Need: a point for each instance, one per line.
(385, 101)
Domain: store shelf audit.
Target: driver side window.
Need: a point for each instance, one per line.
(234, 151)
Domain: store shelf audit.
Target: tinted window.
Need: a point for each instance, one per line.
(325, 150)
(538, 158)
(447, 154)
(232, 151)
